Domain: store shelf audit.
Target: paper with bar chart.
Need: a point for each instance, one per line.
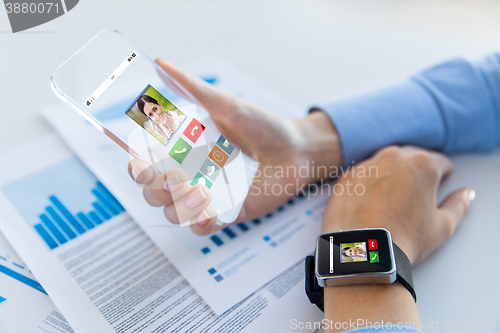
(234, 262)
(63, 216)
(12, 266)
(22, 295)
(100, 269)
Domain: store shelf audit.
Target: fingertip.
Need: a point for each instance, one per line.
(206, 216)
(167, 66)
(198, 195)
(454, 208)
(469, 194)
(161, 61)
(205, 223)
(443, 163)
(174, 180)
(140, 172)
(203, 218)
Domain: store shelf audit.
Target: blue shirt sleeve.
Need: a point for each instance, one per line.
(453, 107)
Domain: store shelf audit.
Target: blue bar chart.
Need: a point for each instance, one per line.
(232, 232)
(68, 225)
(61, 207)
(12, 266)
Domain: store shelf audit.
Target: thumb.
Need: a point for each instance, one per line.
(217, 103)
(453, 209)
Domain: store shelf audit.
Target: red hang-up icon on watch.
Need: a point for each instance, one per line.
(372, 244)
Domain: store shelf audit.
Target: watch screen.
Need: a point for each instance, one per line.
(354, 252)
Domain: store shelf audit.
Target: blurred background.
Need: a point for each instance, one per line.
(306, 51)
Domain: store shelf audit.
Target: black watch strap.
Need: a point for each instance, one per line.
(315, 292)
(403, 266)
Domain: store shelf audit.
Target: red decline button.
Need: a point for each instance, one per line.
(194, 130)
(372, 244)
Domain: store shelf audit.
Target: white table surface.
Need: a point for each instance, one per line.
(308, 51)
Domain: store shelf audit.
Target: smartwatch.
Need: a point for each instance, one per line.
(356, 257)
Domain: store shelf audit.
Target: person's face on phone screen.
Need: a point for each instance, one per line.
(351, 252)
(155, 112)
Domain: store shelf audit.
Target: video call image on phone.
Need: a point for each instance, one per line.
(156, 114)
(164, 126)
(163, 120)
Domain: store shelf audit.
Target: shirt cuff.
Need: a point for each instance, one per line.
(369, 122)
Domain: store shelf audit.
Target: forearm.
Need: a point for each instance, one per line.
(375, 304)
(453, 107)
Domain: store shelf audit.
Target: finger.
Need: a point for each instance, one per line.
(192, 203)
(428, 158)
(452, 211)
(140, 172)
(443, 164)
(213, 100)
(205, 223)
(165, 188)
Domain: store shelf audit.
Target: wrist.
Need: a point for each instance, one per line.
(319, 148)
(370, 303)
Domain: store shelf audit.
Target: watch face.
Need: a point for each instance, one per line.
(354, 252)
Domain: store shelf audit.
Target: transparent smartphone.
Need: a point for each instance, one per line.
(132, 100)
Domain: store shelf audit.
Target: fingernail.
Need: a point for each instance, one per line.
(136, 174)
(471, 195)
(203, 218)
(196, 198)
(173, 183)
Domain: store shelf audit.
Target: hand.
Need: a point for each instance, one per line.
(400, 195)
(274, 141)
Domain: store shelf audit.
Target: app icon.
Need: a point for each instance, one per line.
(199, 179)
(374, 256)
(180, 150)
(210, 169)
(225, 145)
(194, 130)
(218, 156)
(372, 244)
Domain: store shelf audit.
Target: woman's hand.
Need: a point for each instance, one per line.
(400, 195)
(398, 192)
(274, 141)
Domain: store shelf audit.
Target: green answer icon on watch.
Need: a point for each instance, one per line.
(374, 256)
(180, 150)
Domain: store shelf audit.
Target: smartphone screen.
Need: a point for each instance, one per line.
(128, 97)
